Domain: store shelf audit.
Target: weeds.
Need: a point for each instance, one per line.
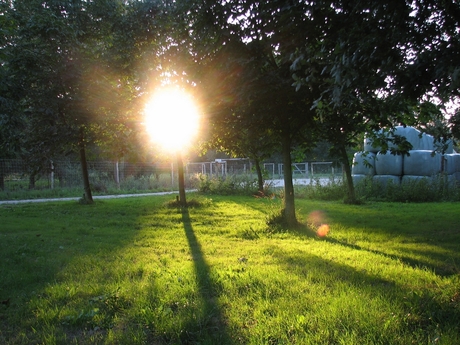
(424, 189)
(318, 190)
(191, 203)
(433, 189)
(228, 185)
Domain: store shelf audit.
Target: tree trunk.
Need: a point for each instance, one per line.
(32, 180)
(84, 168)
(260, 178)
(346, 166)
(289, 204)
(180, 173)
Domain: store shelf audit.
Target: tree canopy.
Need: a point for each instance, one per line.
(71, 75)
(369, 61)
(272, 75)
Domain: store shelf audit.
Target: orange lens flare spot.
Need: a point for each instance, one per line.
(323, 230)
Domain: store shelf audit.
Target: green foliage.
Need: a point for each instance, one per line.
(276, 220)
(192, 203)
(428, 189)
(454, 124)
(228, 185)
(335, 189)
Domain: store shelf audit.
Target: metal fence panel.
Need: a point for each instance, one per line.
(106, 176)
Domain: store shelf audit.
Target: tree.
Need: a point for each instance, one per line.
(454, 124)
(71, 81)
(431, 120)
(244, 66)
(433, 51)
(236, 125)
(364, 58)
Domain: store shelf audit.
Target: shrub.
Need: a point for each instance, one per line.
(429, 189)
(227, 185)
(318, 190)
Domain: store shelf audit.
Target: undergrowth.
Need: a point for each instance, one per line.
(426, 189)
(433, 189)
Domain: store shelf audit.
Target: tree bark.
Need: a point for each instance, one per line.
(84, 168)
(289, 204)
(32, 180)
(180, 173)
(260, 179)
(346, 166)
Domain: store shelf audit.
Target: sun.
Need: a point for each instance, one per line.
(172, 118)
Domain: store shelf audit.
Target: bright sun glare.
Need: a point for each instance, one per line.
(172, 119)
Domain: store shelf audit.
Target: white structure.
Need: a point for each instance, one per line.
(422, 162)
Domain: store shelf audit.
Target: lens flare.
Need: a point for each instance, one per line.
(316, 218)
(323, 230)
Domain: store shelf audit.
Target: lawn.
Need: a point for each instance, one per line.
(135, 271)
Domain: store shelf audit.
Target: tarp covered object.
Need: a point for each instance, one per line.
(418, 140)
(388, 164)
(422, 163)
(358, 178)
(451, 163)
(363, 163)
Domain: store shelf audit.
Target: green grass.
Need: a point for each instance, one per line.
(134, 271)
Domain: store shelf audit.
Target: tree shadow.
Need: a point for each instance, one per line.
(445, 271)
(307, 264)
(420, 240)
(437, 227)
(212, 329)
(422, 310)
(56, 243)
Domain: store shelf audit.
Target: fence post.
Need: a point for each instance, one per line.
(51, 174)
(172, 175)
(117, 174)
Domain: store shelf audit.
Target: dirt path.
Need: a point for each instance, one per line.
(6, 202)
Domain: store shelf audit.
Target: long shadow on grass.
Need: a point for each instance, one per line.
(428, 312)
(436, 228)
(447, 269)
(307, 265)
(46, 247)
(210, 327)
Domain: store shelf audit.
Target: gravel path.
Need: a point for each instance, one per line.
(5, 202)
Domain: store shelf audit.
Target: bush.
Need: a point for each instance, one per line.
(227, 185)
(433, 189)
(333, 190)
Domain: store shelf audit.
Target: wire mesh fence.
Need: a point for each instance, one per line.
(113, 176)
(103, 175)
